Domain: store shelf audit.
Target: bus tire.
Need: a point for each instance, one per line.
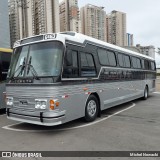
(146, 93)
(91, 109)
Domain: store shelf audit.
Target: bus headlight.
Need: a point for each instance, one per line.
(9, 101)
(40, 104)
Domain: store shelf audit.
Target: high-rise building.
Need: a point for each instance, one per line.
(129, 39)
(147, 50)
(93, 21)
(69, 16)
(45, 16)
(116, 22)
(33, 17)
(19, 18)
(4, 25)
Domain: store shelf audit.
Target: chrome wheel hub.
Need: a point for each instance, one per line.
(91, 108)
(146, 93)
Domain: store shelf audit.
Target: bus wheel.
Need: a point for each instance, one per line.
(145, 93)
(91, 110)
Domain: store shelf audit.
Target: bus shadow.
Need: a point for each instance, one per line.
(79, 123)
(2, 111)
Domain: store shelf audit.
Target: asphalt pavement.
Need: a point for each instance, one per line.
(133, 126)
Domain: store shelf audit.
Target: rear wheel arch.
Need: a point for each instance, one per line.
(92, 105)
(146, 92)
(99, 101)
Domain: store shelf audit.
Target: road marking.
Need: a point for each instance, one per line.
(156, 92)
(2, 115)
(70, 128)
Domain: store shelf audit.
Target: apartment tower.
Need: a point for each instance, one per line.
(69, 16)
(33, 17)
(116, 30)
(93, 21)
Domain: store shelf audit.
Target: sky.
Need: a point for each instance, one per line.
(143, 18)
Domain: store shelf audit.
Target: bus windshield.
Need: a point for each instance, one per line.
(43, 59)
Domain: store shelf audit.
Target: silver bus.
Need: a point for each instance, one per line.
(56, 78)
(5, 57)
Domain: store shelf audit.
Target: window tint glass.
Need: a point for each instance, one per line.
(153, 66)
(87, 65)
(71, 58)
(143, 66)
(112, 58)
(106, 57)
(146, 64)
(134, 62)
(124, 61)
(138, 63)
(46, 58)
(120, 60)
(19, 58)
(90, 61)
(149, 65)
(103, 57)
(84, 62)
(127, 61)
(68, 58)
(71, 69)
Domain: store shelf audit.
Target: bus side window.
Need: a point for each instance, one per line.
(153, 67)
(88, 68)
(146, 64)
(107, 57)
(149, 65)
(124, 61)
(120, 60)
(127, 61)
(71, 69)
(143, 64)
(136, 63)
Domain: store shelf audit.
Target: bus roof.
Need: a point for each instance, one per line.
(74, 37)
(6, 50)
(80, 38)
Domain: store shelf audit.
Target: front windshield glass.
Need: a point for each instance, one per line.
(43, 58)
(19, 57)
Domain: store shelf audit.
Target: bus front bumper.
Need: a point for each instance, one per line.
(42, 119)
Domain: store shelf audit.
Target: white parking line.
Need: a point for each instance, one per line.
(156, 92)
(2, 115)
(70, 128)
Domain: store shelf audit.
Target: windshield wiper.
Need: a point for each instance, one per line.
(33, 71)
(21, 67)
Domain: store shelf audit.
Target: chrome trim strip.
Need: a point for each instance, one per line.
(128, 69)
